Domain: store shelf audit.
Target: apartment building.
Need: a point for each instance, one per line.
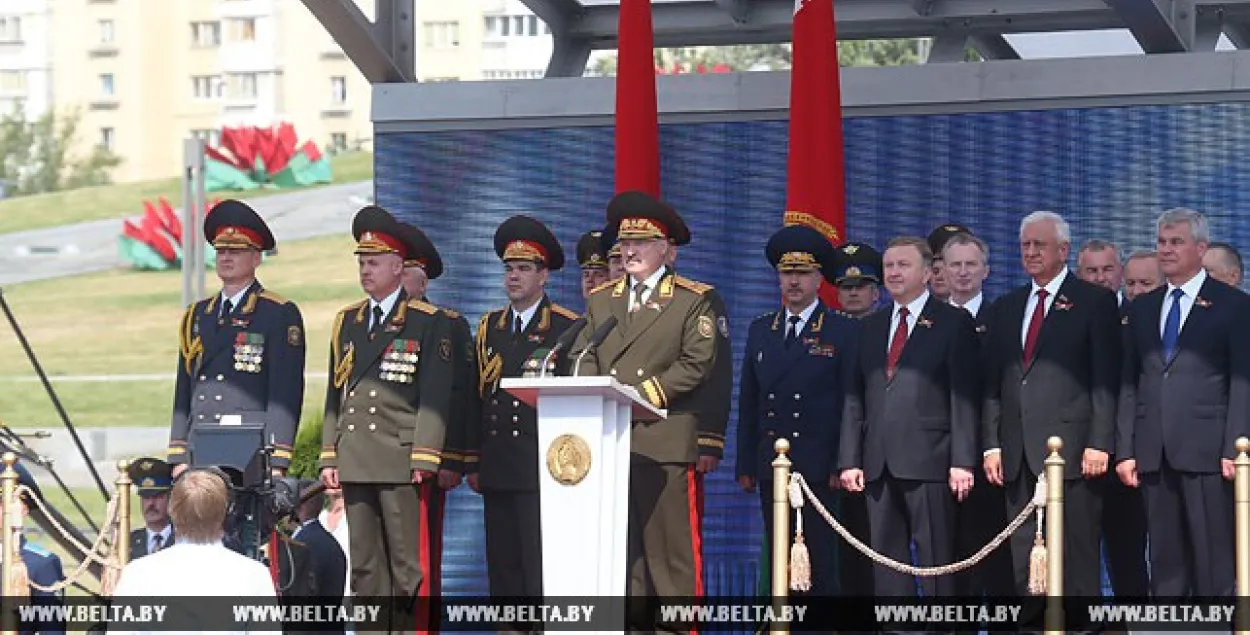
(25, 56)
(480, 40)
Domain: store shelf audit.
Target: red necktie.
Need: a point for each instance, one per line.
(1035, 326)
(896, 344)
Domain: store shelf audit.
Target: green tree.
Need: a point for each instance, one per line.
(39, 156)
(773, 57)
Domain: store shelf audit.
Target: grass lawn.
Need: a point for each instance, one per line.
(126, 199)
(125, 323)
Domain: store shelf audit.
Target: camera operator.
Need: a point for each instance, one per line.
(241, 351)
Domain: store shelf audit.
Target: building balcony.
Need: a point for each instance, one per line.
(104, 102)
(336, 111)
(102, 49)
(247, 57)
(245, 8)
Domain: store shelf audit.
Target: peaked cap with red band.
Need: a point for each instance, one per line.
(377, 232)
(232, 224)
(422, 253)
(525, 238)
(639, 216)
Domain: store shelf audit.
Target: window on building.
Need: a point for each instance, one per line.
(518, 25)
(505, 26)
(107, 89)
(338, 90)
(490, 24)
(12, 82)
(108, 139)
(241, 29)
(338, 140)
(241, 86)
(441, 34)
(532, 23)
(205, 34)
(211, 137)
(106, 31)
(206, 87)
(10, 28)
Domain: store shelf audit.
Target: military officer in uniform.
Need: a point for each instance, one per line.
(241, 351)
(387, 407)
(422, 266)
(938, 284)
(616, 269)
(858, 270)
(797, 359)
(593, 261)
(665, 345)
(153, 478)
(512, 342)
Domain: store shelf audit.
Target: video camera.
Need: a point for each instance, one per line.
(259, 499)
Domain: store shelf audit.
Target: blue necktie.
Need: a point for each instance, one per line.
(1172, 327)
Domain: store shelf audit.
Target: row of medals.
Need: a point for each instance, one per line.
(247, 357)
(532, 366)
(399, 367)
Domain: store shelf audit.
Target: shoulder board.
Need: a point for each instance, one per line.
(451, 314)
(607, 285)
(563, 312)
(424, 307)
(764, 316)
(692, 285)
(355, 306)
(273, 297)
(36, 549)
(842, 313)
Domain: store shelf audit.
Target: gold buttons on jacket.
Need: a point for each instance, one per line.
(516, 404)
(372, 427)
(221, 378)
(373, 393)
(373, 410)
(351, 427)
(797, 396)
(640, 372)
(351, 411)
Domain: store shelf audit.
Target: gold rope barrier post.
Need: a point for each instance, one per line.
(123, 512)
(1054, 538)
(1241, 507)
(781, 532)
(8, 618)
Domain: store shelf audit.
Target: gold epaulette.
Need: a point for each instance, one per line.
(455, 315)
(273, 297)
(563, 312)
(692, 285)
(424, 307)
(601, 287)
(355, 306)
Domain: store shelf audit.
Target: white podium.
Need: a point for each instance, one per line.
(583, 455)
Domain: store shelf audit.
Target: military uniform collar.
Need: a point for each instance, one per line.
(526, 316)
(387, 303)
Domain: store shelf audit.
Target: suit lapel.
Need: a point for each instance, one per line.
(535, 333)
(1015, 320)
(918, 336)
(645, 316)
(783, 359)
(224, 328)
(369, 350)
(1195, 322)
(1048, 321)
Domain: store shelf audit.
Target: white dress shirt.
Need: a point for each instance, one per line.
(387, 304)
(1052, 290)
(652, 282)
(972, 306)
(1190, 290)
(164, 534)
(341, 534)
(235, 299)
(804, 316)
(193, 571)
(526, 315)
(913, 313)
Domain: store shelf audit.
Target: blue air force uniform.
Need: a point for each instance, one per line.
(791, 388)
(239, 356)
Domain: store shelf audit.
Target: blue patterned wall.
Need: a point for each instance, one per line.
(1109, 171)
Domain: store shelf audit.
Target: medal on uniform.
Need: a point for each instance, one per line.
(249, 352)
(399, 362)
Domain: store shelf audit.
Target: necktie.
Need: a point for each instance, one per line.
(1172, 327)
(640, 290)
(1035, 326)
(377, 320)
(158, 542)
(518, 328)
(226, 308)
(896, 344)
(792, 331)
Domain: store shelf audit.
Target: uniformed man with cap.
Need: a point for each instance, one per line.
(423, 265)
(512, 342)
(797, 360)
(593, 261)
(938, 285)
(42, 566)
(153, 478)
(388, 402)
(857, 275)
(666, 345)
(616, 268)
(241, 351)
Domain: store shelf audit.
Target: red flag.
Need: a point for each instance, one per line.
(816, 193)
(637, 115)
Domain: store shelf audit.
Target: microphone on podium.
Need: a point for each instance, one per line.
(565, 341)
(596, 339)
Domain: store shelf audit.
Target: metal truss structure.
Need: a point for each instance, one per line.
(383, 49)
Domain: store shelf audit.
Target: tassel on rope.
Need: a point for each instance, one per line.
(18, 584)
(800, 561)
(1037, 557)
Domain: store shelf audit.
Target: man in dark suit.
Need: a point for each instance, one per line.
(241, 351)
(387, 406)
(311, 563)
(1184, 401)
(1054, 354)
(153, 478)
(512, 342)
(796, 362)
(910, 419)
(1123, 511)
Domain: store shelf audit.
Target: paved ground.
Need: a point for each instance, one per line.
(88, 247)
